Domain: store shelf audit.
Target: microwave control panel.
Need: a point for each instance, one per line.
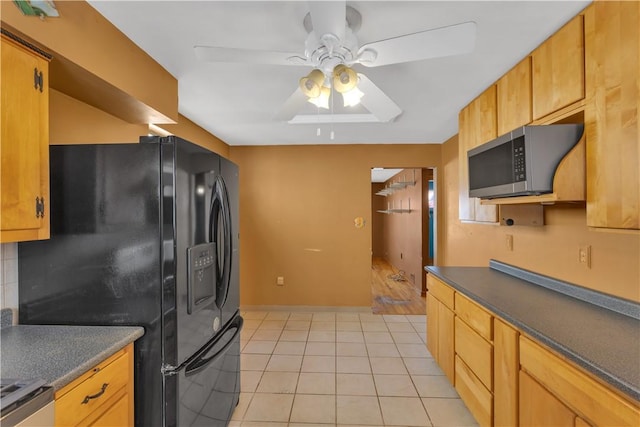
(519, 166)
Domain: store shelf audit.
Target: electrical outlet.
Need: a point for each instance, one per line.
(584, 255)
(280, 281)
(509, 242)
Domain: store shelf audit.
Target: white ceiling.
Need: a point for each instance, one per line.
(237, 102)
(383, 174)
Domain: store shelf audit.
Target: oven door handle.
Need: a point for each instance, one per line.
(201, 362)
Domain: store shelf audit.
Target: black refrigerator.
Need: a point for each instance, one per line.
(146, 234)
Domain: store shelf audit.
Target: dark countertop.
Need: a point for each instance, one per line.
(59, 354)
(603, 342)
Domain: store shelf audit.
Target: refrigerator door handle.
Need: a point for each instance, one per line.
(201, 362)
(220, 210)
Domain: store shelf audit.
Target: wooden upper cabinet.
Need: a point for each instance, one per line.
(558, 69)
(514, 97)
(24, 181)
(477, 125)
(611, 114)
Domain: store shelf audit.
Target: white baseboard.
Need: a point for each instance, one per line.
(307, 308)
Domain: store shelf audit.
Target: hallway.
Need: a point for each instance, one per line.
(390, 296)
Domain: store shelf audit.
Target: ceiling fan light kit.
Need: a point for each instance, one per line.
(332, 48)
(352, 97)
(344, 78)
(322, 100)
(311, 84)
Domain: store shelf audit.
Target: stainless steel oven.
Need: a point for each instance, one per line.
(26, 403)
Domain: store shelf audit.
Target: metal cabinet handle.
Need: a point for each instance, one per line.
(95, 396)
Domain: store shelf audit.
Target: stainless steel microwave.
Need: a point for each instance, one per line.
(521, 162)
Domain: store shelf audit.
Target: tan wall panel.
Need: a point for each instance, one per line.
(297, 210)
(377, 220)
(551, 250)
(74, 122)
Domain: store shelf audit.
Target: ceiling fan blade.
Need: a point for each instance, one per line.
(376, 101)
(247, 56)
(291, 106)
(328, 17)
(446, 41)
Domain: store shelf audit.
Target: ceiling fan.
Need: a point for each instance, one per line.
(332, 48)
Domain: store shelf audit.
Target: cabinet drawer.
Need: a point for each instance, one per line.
(474, 316)
(474, 394)
(582, 394)
(475, 351)
(444, 293)
(84, 398)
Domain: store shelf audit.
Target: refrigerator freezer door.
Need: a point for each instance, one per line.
(208, 385)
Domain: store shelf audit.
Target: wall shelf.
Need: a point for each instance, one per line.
(391, 210)
(398, 185)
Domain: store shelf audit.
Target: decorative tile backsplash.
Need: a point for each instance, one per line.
(9, 275)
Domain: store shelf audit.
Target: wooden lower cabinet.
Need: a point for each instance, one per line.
(440, 335)
(538, 407)
(475, 395)
(474, 358)
(594, 403)
(103, 396)
(445, 341)
(507, 379)
(505, 374)
(116, 415)
(476, 352)
(432, 325)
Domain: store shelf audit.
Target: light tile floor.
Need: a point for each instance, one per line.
(302, 369)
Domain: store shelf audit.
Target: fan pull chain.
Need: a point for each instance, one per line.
(318, 132)
(331, 134)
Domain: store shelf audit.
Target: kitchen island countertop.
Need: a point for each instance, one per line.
(59, 354)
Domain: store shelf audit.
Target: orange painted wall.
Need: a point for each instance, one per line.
(551, 250)
(74, 122)
(297, 211)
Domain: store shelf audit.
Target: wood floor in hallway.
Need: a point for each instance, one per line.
(390, 296)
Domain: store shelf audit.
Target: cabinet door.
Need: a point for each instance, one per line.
(477, 125)
(116, 415)
(514, 97)
(24, 144)
(558, 69)
(505, 374)
(538, 407)
(611, 114)
(445, 341)
(432, 325)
